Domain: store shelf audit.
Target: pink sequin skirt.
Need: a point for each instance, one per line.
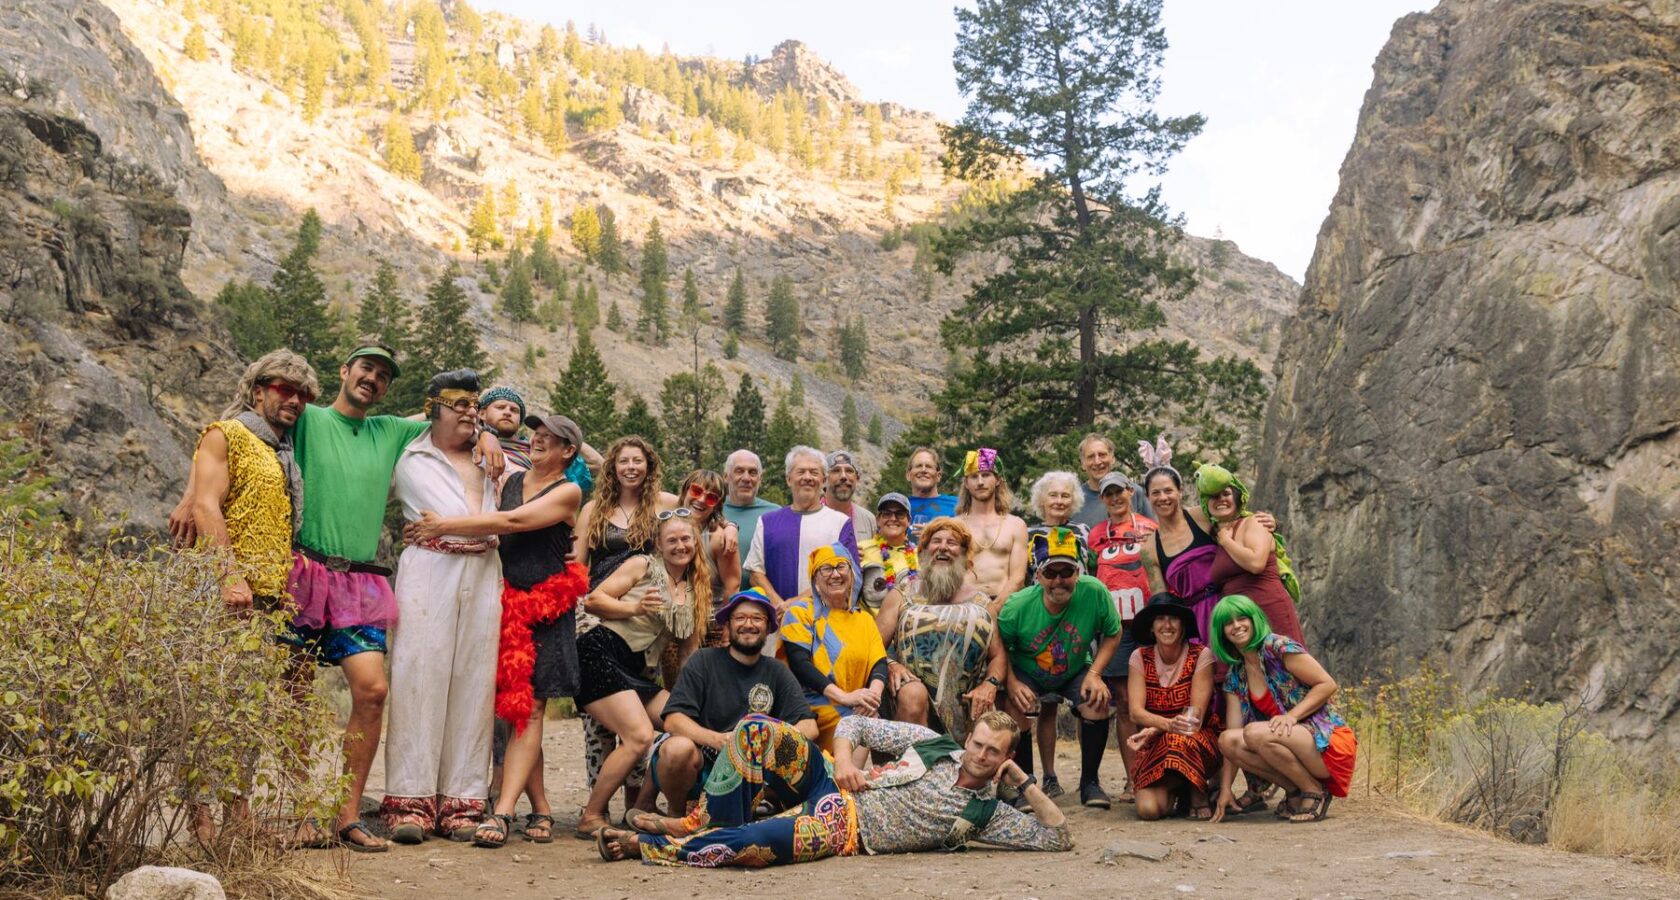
(324, 598)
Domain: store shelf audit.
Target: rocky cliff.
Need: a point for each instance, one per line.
(109, 361)
(1474, 435)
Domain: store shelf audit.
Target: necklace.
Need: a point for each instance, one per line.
(996, 530)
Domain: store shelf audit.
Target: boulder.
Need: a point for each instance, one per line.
(165, 883)
(1474, 434)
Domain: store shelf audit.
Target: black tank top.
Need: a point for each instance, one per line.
(614, 550)
(531, 557)
(1198, 538)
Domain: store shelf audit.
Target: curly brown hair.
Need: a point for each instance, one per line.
(643, 522)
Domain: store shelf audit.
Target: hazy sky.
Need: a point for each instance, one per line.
(1280, 83)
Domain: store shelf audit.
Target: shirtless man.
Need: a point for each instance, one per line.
(1000, 537)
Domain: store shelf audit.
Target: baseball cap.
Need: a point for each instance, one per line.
(563, 428)
(1114, 480)
(377, 352)
(893, 497)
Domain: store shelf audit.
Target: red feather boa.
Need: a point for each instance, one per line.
(516, 658)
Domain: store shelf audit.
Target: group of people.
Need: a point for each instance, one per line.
(789, 682)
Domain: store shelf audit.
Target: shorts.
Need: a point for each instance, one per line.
(331, 646)
(609, 666)
(1121, 663)
(708, 756)
(1055, 690)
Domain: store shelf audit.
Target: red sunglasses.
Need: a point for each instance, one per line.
(710, 498)
(287, 391)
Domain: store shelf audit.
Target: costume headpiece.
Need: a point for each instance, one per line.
(1057, 544)
(750, 595)
(981, 460)
(1211, 479)
(828, 556)
(450, 388)
(1158, 456)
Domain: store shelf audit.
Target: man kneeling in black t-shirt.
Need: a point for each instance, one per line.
(715, 690)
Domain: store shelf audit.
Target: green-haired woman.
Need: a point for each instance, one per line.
(1280, 725)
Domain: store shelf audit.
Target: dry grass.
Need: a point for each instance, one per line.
(1530, 772)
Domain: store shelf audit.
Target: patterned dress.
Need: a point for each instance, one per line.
(1194, 756)
(944, 645)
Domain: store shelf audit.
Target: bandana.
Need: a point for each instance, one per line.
(502, 393)
(1057, 545)
(1211, 479)
(282, 447)
(448, 396)
(982, 460)
(828, 556)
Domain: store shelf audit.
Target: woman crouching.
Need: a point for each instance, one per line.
(1281, 725)
(1169, 689)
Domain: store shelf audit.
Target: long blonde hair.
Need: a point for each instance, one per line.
(1005, 500)
(642, 525)
(698, 573)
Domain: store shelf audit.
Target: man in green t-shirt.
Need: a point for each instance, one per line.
(1048, 630)
(343, 600)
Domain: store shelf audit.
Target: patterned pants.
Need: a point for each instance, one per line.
(598, 741)
(764, 759)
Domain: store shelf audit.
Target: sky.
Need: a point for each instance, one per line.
(1280, 84)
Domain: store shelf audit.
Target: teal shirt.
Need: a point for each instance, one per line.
(745, 519)
(1049, 647)
(347, 466)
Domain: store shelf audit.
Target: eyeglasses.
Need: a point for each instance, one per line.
(1058, 573)
(834, 569)
(288, 391)
(681, 512)
(710, 498)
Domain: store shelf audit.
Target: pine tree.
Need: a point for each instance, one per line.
(247, 308)
(446, 338)
(483, 232)
(400, 155)
(517, 295)
(384, 314)
(735, 307)
(586, 312)
(782, 319)
(654, 323)
(194, 46)
(731, 347)
(745, 428)
(796, 390)
(1053, 334)
(690, 402)
(691, 297)
(848, 422)
(585, 393)
(300, 301)
(638, 419)
(874, 434)
(586, 233)
(611, 254)
(544, 267)
(780, 436)
(854, 347)
(615, 319)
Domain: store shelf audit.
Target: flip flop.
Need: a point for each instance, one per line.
(354, 847)
(606, 844)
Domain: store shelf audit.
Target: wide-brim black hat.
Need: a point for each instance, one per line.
(1162, 604)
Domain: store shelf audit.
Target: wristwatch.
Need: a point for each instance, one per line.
(994, 681)
(1031, 780)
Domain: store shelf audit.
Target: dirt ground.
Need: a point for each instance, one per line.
(1362, 850)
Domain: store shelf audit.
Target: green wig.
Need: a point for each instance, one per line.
(1211, 479)
(1237, 606)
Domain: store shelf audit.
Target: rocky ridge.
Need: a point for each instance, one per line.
(1476, 426)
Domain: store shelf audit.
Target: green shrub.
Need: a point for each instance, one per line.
(130, 691)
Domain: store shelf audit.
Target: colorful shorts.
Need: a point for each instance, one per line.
(331, 646)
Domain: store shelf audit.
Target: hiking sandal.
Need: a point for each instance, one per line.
(1286, 806)
(492, 832)
(542, 821)
(1250, 801)
(1317, 806)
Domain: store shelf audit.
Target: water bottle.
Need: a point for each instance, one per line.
(1192, 721)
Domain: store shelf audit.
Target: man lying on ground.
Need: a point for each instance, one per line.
(937, 794)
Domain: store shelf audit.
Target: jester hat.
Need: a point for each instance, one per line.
(1056, 545)
(984, 459)
(828, 556)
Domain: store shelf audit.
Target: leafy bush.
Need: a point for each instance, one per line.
(129, 691)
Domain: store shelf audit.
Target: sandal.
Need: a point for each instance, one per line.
(1286, 806)
(644, 821)
(345, 841)
(543, 821)
(492, 832)
(1247, 803)
(1318, 807)
(587, 829)
(1200, 812)
(608, 843)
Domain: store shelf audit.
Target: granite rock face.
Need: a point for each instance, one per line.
(1476, 427)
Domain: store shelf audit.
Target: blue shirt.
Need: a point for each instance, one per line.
(925, 509)
(745, 519)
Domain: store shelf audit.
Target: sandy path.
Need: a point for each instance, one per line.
(1348, 855)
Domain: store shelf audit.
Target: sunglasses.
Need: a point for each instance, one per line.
(1059, 572)
(287, 391)
(681, 512)
(710, 498)
(462, 407)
